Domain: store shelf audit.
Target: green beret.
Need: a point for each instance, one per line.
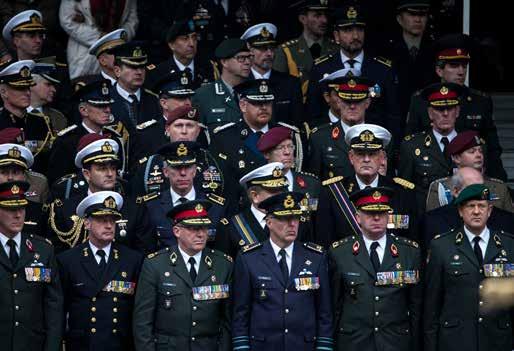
(230, 47)
(473, 192)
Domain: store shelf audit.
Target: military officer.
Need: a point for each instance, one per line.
(31, 303)
(297, 56)
(466, 150)
(281, 286)
(476, 108)
(457, 264)
(15, 83)
(377, 291)
(216, 101)
(288, 103)
(184, 291)
(181, 125)
(102, 50)
(99, 279)
(334, 220)
(349, 33)
(99, 161)
(179, 167)
(182, 41)
(25, 28)
(423, 156)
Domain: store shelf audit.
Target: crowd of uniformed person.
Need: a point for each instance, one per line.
(234, 193)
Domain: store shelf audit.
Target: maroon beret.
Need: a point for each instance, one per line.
(184, 112)
(10, 135)
(273, 137)
(88, 139)
(463, 141)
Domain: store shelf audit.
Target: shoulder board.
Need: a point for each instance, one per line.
(223, 127)
(151, 93)
(67, 129)
(405, 183)
(494, 180)
(147, 197)
(40, 238)
(157, 253)
(150, 67)
(510, 235)
(146, 124)
(342, 241)
(113, 130)
(65, 178)
(221, 254)
(251, 247)
(224, 221)
(308, 174)
(314, 247)
(408, 137)
(438, 236)
(406, 241)
(332, 180)
(289, 42)
(383, 61)
(216, 198)
(222, 156)
(289, 126)
(322, 59)
(143, 160)
(61, 64)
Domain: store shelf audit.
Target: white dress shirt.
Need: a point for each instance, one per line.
(197, 257)
(289, 253)
(382, 242)
(484, 239)
(190, 196)
(358, 60)
(333, 118)
(125, 94)
(108, 77)
(257, 75)
(31, 109)
(259, 216)
(438, 137)
(89, 130)
(361, 184)
(181, 67)
(95, 249)
(263, 129)
(7, 248)
(290, 180)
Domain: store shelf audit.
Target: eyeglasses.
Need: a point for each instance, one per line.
(243, 58)
(285, 148)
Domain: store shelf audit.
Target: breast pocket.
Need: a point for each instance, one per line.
(263, 289)
(169, 299)
(353, 285)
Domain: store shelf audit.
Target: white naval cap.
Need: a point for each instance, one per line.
(98, 151)
(101, 203)
(108, 41)
(367, 136)
(26, 21)
(269, 176)
(260, 34)
(15, 154)
(344, 72)
(18, 74)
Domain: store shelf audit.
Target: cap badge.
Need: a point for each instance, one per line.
(15, 189)
(107, 147)
(199, 208)
(351, 13)
(277, 172)
(14, 152)
(184, 80)
(265, 32)
(335, 133)
(485, 194)
(137, 52)
(289, 202)
(25, 72)
(192, 113)
(105, 89)
(459, 51)
(444, 90)
(35, 19)
(477, 140)
(355, 247)
(376, 195)
(264, 87)
(182, 150)
(367, 136)
(352, 83)
(79, 85)
(110, 202)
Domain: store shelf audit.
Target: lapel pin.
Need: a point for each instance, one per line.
(394, 250)
(28, 243)
(213, 279)
(398, 265)
(173, 258)
(124, 274)
(308, 263)
(458, 238)
(208, 261)
(355, 247)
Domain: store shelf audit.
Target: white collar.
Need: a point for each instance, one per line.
(181, 67)
(89, 130)
(439, 136)
(361, 184)
(108, 77)
(125, 94)
(333, 118)
(345, 126)
(358, 59)
(197, 257)
(259, 216)
(228, 86)
(289, 176)
(484, 235)
(263, 129)
(276, 249)
(382, 241)
(310, 42)
(36, 109)
(17, 240)
(190, 196)
(257, 75)
(106, 249)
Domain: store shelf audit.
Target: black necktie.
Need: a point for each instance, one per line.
(413, 51)
(445, 142)
(259, 134)
(192, 271)
(103, 263)
(133, 108)
(283, 265)
(374, 256)
(351, 62)
(182, 200)
(478, 250)
(13, 254)
(315, 50)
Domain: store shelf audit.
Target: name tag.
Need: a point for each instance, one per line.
(218, 110)
(119, 286)
(283, 102)
(38, 274)
(397, 277)
(211, 292)
(498, 270)
(398, 221)
(308, 283)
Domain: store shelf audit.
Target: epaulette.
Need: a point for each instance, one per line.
(67, 129)
(223, 127)
(332, 180)
(58, 202)
(308, 174)
(289, 126)
(383, 61)
(150, 67)
(314, 247)
(224, 221)
(338, 243)
(406, 241)
(438, 236)
(408, 137)
(147, 197)
(143, 160)
(250, 247)
(216, 198)
(322, 59)
(113, 130)
(61, 64)
(221, 254)
(289, 42)
(151, 93)
(65, 178)
(157, 253)
(40, 238)
(403, 182)
(510, 235)
(146, 124)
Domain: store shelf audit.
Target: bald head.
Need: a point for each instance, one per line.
(464, 177)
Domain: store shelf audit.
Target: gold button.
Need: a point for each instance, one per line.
(93, 319)
(93, 330)
(376, 329)
(115, 310)
(193, 338)
(377, 298)
(114, 331)
(194, 324)
(115, 299)
(93, 299)
(16, 324)
(114, 320)
(287, 310)
(15, 275)
(195, 308)
(286, 291)
(377, 313)
(481, 303)
(93, 309)
(17, 308)
(15, 291)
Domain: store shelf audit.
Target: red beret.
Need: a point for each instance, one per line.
(273, 137)
(10, 135)
(88, 139)
(463, 141)
(185, 112)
